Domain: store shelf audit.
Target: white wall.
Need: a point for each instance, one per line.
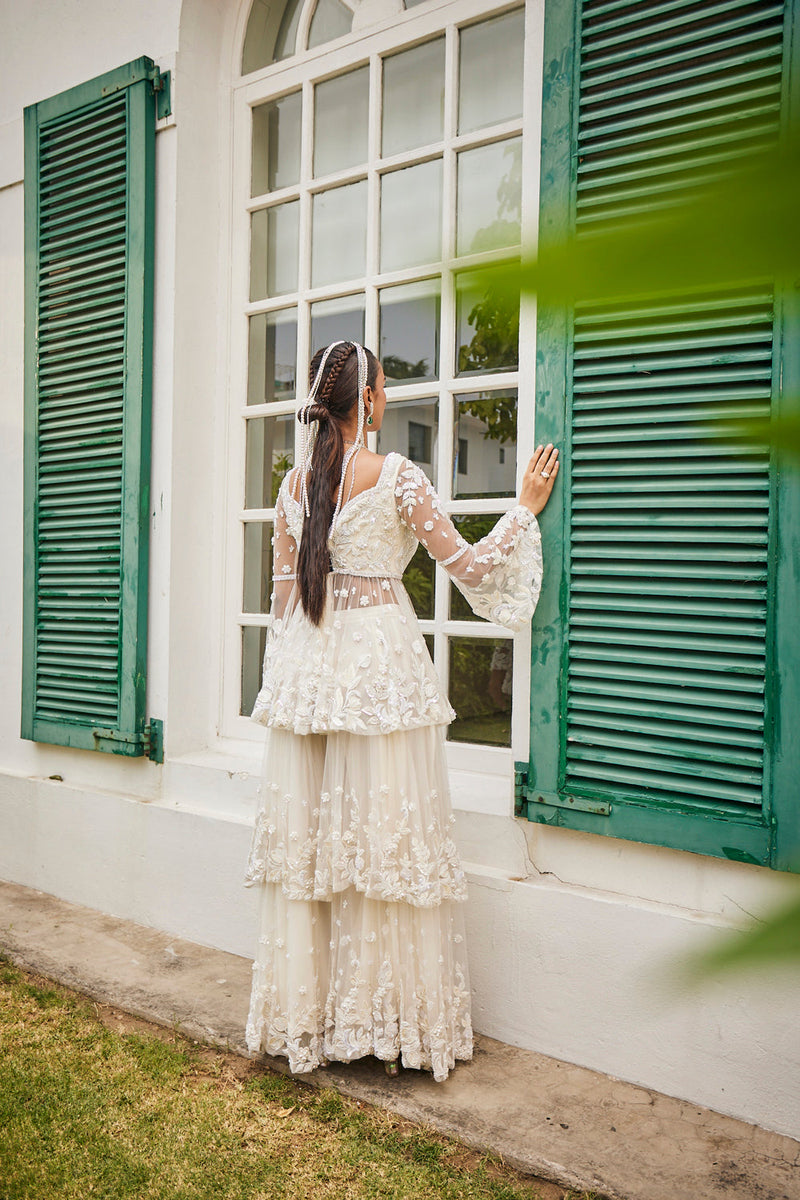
(568, 931)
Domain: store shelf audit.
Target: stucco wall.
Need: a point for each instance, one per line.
(570, 934)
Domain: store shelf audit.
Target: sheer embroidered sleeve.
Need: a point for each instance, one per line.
(501, 575)
(284, 555)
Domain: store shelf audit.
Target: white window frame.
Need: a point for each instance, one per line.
(303, 71)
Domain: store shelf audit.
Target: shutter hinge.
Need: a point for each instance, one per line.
(579, 803)
(154, 740)
(160, 85)
(150, 743)
(520, 788)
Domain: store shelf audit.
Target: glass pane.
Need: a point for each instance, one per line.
(254, 641)
(341, 113)
(490, 83)
(485, 444)
(269, 454)
(489, 190)
(429, 642)
(418, 579)
(271, 33)
(276, 145)
(337, 321)
(480, 675)
(473, 527)
(411, 427)
(339, 236)
(411, 216)
(274, 246)
(413, 97)
(273, 356)
(409, 337)
(257, 588)
(487, 322)
(331, 19)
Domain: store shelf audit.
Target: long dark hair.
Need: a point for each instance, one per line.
(337, 395)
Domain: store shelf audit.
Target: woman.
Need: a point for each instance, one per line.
(361, 949)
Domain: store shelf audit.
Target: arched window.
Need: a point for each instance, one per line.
(372, 177)
(275, 32)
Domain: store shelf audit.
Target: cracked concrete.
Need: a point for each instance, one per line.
(561, 1122)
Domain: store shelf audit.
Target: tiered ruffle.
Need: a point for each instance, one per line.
(361, 943)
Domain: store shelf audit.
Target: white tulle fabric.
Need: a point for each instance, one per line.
(361, 941)
(366, 667)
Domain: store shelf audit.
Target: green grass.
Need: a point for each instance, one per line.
(92, 1111)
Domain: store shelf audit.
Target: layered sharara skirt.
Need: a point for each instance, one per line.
(361, 945)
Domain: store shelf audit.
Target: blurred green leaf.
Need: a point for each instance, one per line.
(774, 941)
(743, 227)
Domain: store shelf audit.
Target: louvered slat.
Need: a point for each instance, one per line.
(83, 172)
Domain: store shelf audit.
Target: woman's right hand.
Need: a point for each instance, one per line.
(540, 475)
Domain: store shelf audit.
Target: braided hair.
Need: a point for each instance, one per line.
(337, 395)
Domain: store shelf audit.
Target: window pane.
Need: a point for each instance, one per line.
(273, 356)
(270, 34)
(418, 579)
(473, 527)
(409, 337)
(254, 640)
(339, 236)
(331, 19)
(337, 321)
(489, 188)
(274, 246)
(341, 113)
(480, 690)
(269, 454)
(411, 216)
(411, 427)
(276, 144)
(413, 97)
(490, 83)
(257, 588)
(487, 322)
(485, 444)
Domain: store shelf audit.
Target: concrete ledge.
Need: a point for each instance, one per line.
(564, 1123)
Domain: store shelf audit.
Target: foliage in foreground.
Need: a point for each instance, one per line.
(87, 1111)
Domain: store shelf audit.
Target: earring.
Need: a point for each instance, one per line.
(369, 419)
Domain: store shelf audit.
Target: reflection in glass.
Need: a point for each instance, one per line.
(254, 641)
(411, 428)
(490, 80)
(331, 19)
(276, 144)
(473, 527)
(269, 454)
(337, 321)
(489, 192)
(411, 216)
(480, 674)
(413, 97)
(339, 234)
(418, 580)
(273, 356)
(257, 588)
(487, 322)
(274, 245)
(341, 113)
(409, 336)
(485, 444)
(271, 33)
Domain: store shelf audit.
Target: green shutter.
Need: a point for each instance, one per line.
(657, 695)
(89, 209)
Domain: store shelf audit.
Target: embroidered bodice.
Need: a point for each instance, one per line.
(366, 667)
